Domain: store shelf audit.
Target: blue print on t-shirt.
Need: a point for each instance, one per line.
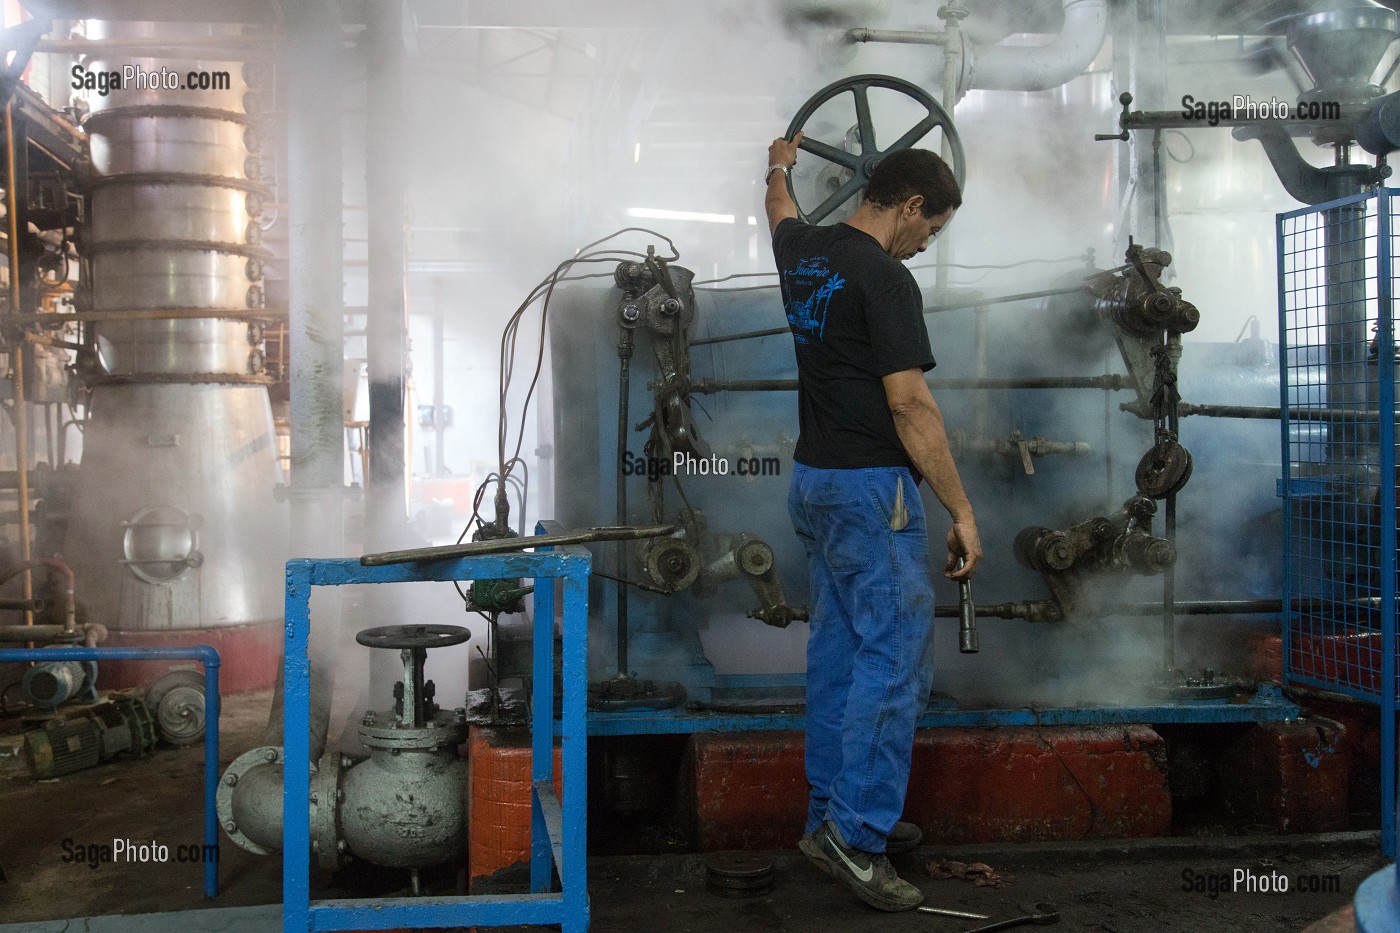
(813, 278)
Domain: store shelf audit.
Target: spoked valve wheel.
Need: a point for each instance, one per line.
(859, 165)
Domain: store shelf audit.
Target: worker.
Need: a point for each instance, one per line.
(869, 431)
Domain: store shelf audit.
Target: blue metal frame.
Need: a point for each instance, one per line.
(557, 833)
(210, 659)
(1385, 402)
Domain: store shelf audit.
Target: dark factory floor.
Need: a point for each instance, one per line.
(1163, 885)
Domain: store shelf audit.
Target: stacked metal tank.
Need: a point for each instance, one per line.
(176, 535)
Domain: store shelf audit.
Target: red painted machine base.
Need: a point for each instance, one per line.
(966, 786)
(249, 656)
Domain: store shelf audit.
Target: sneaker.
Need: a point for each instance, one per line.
(871, 877)
(807, 845)
(903, 838)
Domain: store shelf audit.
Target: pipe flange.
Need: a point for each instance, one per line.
(381, 730)
(326, 797)
(223, 798)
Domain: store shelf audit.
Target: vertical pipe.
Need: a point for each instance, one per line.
(211, 771)
(1385, 401)
(315, 326)
(21, 416)
(1286, 452)
(542, 725)
(439, 383)
(624, 386)
(1173, 345)
(386, 321)
(1344, 244)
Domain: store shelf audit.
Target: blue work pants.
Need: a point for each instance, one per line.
(870, 649)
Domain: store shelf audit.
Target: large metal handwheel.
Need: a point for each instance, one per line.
(413, 636)
(861, 165)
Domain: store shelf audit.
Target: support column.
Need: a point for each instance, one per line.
(387, 321)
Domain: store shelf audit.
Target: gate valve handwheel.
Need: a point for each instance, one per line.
(413, 636)
(861, 165)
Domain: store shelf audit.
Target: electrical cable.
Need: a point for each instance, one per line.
(510, 333)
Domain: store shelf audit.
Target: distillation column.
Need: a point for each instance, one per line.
(176, 534)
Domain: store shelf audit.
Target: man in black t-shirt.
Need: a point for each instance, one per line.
(870, 431)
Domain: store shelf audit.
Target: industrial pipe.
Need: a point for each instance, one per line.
(1040, 68)
(1266, 413)
(898, 36)
(1014, 67)
(92, 632)
(70, 619)
(1108, 382)
(21, 419)
(931, 309)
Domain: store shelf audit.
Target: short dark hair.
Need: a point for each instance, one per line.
(901, 175)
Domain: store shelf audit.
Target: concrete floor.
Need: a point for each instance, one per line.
(1098, 887)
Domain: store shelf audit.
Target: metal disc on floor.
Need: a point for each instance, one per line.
(738, 874)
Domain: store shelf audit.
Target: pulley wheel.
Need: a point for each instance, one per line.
(861, 164)
(1163, 470)
(738, 874)
(413, 636)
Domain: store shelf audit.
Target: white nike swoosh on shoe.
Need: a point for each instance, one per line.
(863, 874)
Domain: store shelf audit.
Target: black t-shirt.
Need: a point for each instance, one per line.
(856, 315)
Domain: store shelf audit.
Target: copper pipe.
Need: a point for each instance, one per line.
(21, 422)
(70, 619)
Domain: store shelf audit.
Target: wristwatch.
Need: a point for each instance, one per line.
(785, 169)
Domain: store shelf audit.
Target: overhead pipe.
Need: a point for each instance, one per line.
(1012, 67)
(1040, 68)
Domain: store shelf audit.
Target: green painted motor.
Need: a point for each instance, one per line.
(123, 725)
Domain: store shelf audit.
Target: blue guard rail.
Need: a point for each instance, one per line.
(557, 832)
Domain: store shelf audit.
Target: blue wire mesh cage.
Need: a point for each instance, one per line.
(1337, 353)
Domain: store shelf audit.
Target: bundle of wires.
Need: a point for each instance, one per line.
(542, 293)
